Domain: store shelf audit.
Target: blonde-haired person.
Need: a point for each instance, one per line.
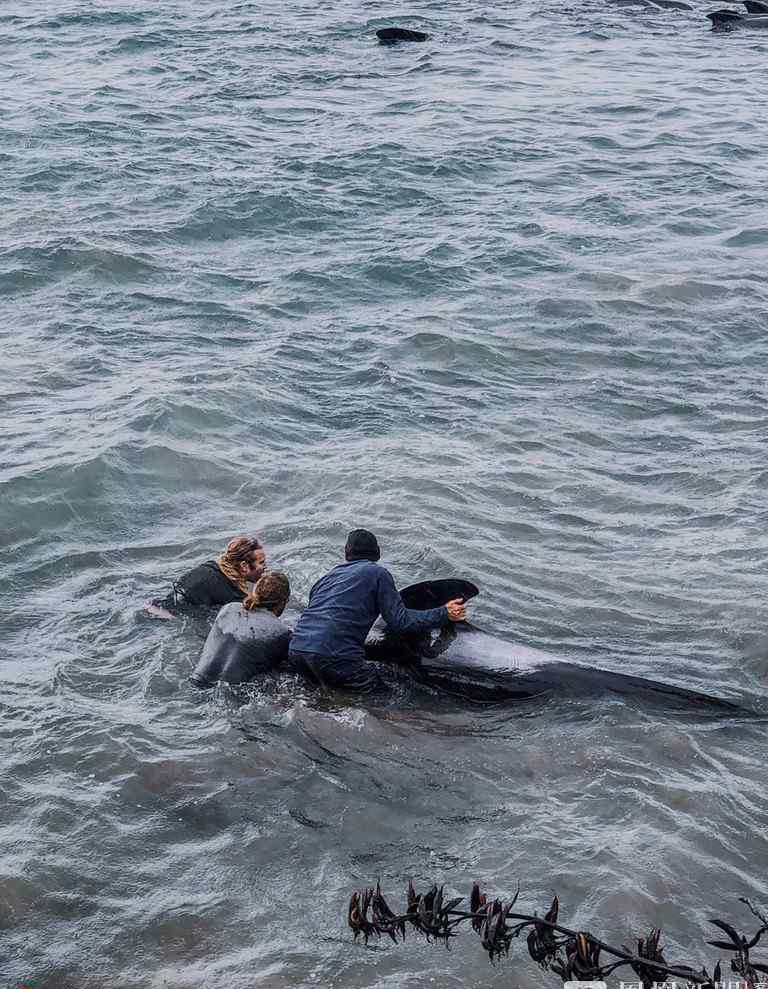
(247, 637)
(219, 581)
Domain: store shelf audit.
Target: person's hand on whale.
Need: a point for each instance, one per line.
(457, 610)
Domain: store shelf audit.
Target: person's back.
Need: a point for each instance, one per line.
(247, 638)
(328, 642)
(216, 582)
(344, 604)
(205, 586)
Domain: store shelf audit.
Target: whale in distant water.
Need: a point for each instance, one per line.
(672, 4)
(390, 35)
(729, 19)
(467, 662)
(653, 4)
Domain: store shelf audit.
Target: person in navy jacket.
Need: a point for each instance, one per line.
(328, 641)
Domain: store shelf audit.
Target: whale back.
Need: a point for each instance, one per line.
(732, 18)
(463, 660)
(725, 17)
(474, 664)
(465, 644)
(391, 35)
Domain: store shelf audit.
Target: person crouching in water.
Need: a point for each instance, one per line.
(247, 637)
(329, 640)
(216, 582)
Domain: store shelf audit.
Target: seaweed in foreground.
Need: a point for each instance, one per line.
(570, 954)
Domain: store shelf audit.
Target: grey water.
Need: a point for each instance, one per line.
(501, 297)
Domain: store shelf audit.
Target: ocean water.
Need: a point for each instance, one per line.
(502, 298)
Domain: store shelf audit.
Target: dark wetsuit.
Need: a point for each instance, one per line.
(328, 642)
(241, 645)
(204, 587)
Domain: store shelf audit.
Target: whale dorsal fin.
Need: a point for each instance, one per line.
(434, 593)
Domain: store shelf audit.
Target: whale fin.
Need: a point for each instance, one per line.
(435, 593)
(756, 6)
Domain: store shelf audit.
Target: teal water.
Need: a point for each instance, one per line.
(502, 298)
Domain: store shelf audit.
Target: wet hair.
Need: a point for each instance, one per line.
(239, 550)
(270, 591)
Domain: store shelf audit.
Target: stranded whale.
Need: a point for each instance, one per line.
(462, 660)
(465, 661)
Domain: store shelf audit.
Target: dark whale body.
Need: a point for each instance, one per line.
(756, 6)
(467, 662)
(730, 19)
(672, 5)
(462, 660)
(653, 4)
(391, 35)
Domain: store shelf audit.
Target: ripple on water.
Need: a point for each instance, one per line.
(754, 237)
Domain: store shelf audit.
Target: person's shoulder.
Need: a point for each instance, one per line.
(200, 571)
(280, 626)
(206, 565)
(376, 572)
(365, 566)
(327, 577)
(229, 611)
(275, 625)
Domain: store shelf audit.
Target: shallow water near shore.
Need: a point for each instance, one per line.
(500, 297)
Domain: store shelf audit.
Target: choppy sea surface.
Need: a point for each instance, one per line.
(501, 297)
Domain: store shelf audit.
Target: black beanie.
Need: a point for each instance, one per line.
(361, 545)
